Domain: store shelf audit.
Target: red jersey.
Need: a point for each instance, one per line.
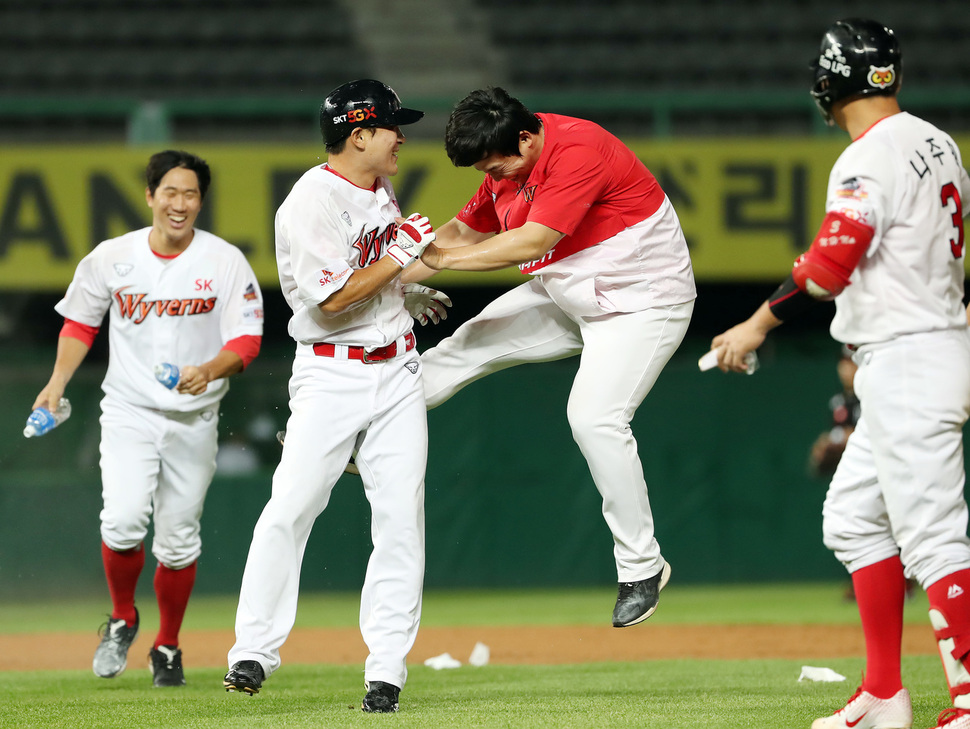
(586, 184)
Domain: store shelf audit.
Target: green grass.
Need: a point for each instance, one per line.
(667, 694)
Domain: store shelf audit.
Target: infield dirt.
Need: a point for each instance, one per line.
(508, 645)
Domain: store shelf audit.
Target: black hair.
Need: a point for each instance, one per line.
(162, 162)
(336, 147)
(486, 122)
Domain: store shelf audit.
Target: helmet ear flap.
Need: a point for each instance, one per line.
(820, 96)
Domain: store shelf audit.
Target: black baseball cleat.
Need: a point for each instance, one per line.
(245, 677)
(381, 698)
(636, 601)
(165, 663)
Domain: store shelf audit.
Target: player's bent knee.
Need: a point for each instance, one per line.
(177, 559)
(856, 554)
(122, 541)
(930, 567)
(591, 426)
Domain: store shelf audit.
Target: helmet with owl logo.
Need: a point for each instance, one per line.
(857, 57)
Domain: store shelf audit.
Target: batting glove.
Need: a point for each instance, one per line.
(425, 303)
(413, 236)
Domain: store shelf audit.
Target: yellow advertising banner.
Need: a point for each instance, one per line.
(748, 206)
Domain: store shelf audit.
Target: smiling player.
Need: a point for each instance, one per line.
(179, 295)
(341, 247)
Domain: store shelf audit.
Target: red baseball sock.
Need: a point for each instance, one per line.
(880, 590)
(122, 570)
(950, 615)
(172, 590)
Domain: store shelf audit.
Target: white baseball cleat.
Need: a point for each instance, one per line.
(865, 711)
(953, 719)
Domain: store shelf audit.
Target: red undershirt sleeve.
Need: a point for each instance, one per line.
(79, 331)
(246, 346)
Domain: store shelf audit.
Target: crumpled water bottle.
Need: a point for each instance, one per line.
(43, 421)
(751, 363)
(167, 374)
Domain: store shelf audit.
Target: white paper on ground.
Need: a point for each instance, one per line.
(443, 661)
(480, 655)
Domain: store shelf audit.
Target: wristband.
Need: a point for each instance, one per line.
(788, 300)
(397, 253)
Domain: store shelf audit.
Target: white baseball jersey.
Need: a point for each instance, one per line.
(905, 178)
(180, 310)
(325, 222)
(643, 266)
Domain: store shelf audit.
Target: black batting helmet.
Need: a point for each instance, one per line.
(858, 57)
(362, 103)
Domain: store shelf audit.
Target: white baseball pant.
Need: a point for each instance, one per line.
(899, 486)
(621, 357)
(161, 462)
(337, 405)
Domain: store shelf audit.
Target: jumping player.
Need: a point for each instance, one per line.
(356, 386)
(891, 253)
(178, 295)
(566, 201)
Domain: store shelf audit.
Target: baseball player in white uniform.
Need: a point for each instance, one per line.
(175, 295)
(891, 253)
(356, 386)
(568, 202)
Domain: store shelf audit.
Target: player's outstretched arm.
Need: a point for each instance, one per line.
(519, 245)
(452, 234)
(734, 344)
(70, 353)
(819, 274)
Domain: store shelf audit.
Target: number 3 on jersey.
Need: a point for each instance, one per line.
(947, 193)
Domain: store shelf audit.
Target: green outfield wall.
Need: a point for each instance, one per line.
(509, 499)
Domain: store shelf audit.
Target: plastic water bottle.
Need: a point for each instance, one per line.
(43, 421)
(751, 363)
(167, 374)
